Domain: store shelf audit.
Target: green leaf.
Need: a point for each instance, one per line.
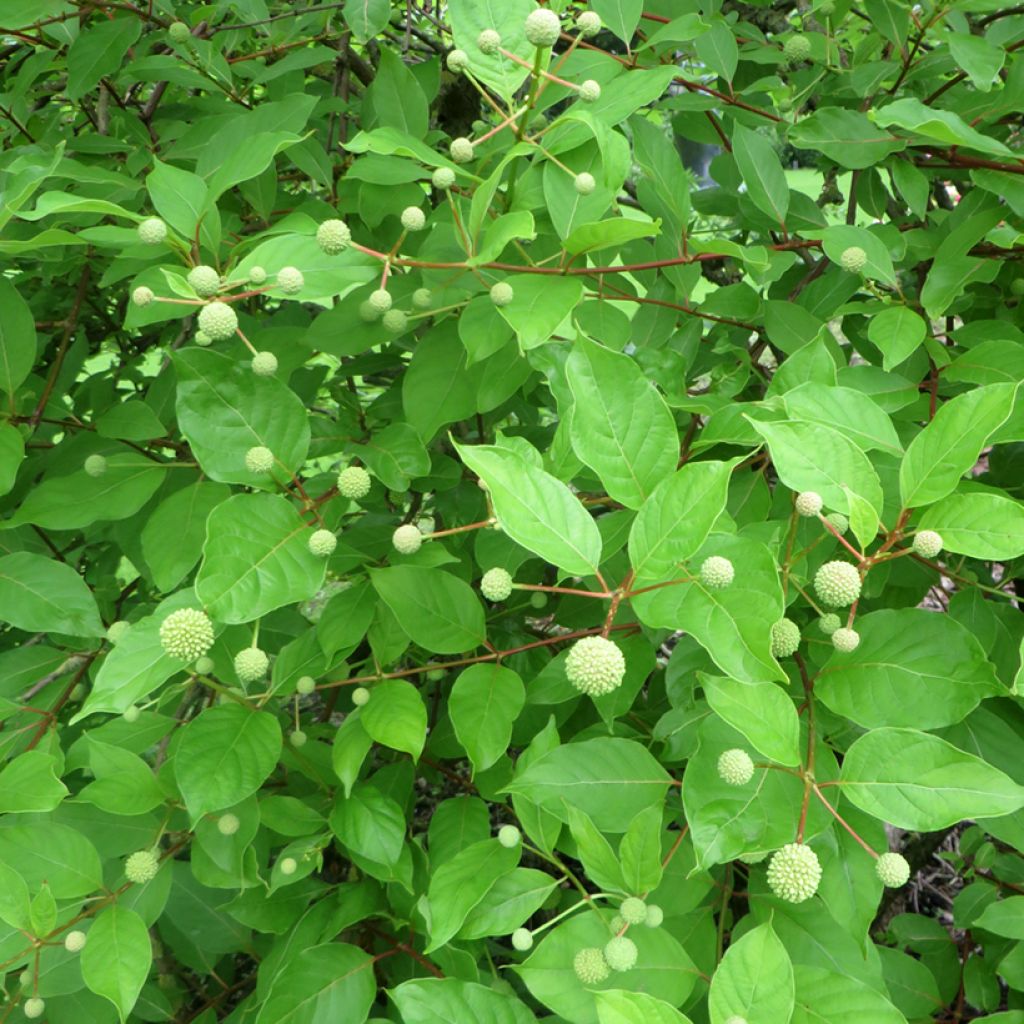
(539, 304)
(12, 453)
(942, 126)
(439, 611)
(124, 783)
(978, 524)
(444, 1000)
(846, 136)
(595, 853)
(979, 57)
(1003, 918)
(916, 781)
(608, 234)
(256, 558)
(117, 958)
(761, 711)
(619, 426)
(470, 17)
(30, 783)
(512, 900)
(824, 997)
(14, 901)
(17, 338)
(366, 17)
(225, 755)
(396, 717)
(616, 1006)
(58, 855)
(180, 197)
(351, 745)
(640, 852)
(39, 594)
(395, 99)
(717, 48)
(483, 705)
(897, 331)
(98, 52)
(754, 980)
(369, 824)
(851, 412)
(395, 455)
(536, 510)
(762, 172)
(620, 16)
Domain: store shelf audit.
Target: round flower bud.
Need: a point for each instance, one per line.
(152, 231)
(305, 685)
(322, 543)
(297, 738)
(538, 599)
(264, 364)
(853, 259)
(488, 41)
(590, 91)
(333, 236)
(837, 583)
(34, 1007)
(380, 300)
(131, 714)
(589, 23)
(620, 953)
(927, 543)
(413, 219)
(839, 521)
(251, 664)
(496, 584)
(522, 939)
(785, 638)
(204, 665)
(502, 293)
(116, 630)
(633, 910)
(829, 623)
(179, 32)
(259, 459)
(202, 339)
(360, 696)
(288, 865)
(716, 573)
(735, 767)
(257, 275)
(95, 465)
(141, 867)
(218, 321)
(367, 313)
(422, 298)
(186, 634)
(794, 873)
(228, 824)
(461, 150)
(205, 281)
(509, 836)
(809, 503)
(617, 923)
(845, 640)
(542, 27)
(584, 183)
(1017, 286)
(407, 539)
(893, 870)
(395, 320)
(74, 942)
(797, 49)
(353, 482)
(655, 916)
(595, 665)
(457, 61)
(590, 966)
(290, 280)
(443, 178)
(143, 296)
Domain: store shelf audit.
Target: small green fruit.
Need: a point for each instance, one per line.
(333, 236)
(259, 459)
(353, 483)
(179, 32)
(794, 873)
(590, 966)
(290, 280)
(716, 573)
(142, 296)
(305, 685)
(34, 1007)
(186, 634)
(539, 599)
(141, 867)
(927, 543)
(837, 583)
(502, 293)
(74, 942)
(461, 150)
(839, 521)
(257, 275)
(853, 259)
(205, 281)
(264, 364)
(522, 939)
(131, 714)
(413, 219)
(95, 465)
(380, 300)
(152, 231)
(457, 61)
(588, 24)
(655, 916)
(584, 183)
(797, 49)
(845, 640)
(809, 503)
(735, 767)
(496, 584)
(893, 870)
(288, 865)
(785, 638)
(422, 298)
(633, 910)
(297, 738)
(228, 824)
(620, 953)
(829, 623)
(218, 321)
(488, 41)
(360, 696)
(595, 665)
(542, 27)
(509, 836)
(407, 539)
(203, 666)
(590, 91)
(322, 543)
(251, 664)
(443, 178)
(395, 321)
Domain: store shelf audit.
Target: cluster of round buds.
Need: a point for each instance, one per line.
(457, 61)
(797, 49)
(34, 1008)
(794, 873)
(305, 685)
(584, 183)
(785, 638)
(809, 503)
(633, 910)
(74, 942)
(522, 939)
(360, 696)
(845, 640)
(502, 293)
(152, 231)
(407, 539)
(228, 824)
(542, 27)
(590, 91)
(588, 24)
(251, 664)
(322, 543)
(95, 465)
(218, 321)
(620, 953)
(290, 280)
(143, 296)
(461, 150)
(353, 483)
(186, 634)
(413, 219)
(496, 584)
(509, 836)
(205, 281)
(141, 867)
(590, 966)
(892, 869)
(927, 543)
(829, 623)
(264, 364)
(443, 178)
(488, 41)
(853, 259)
(595, 665)
(735, 767)
(837, 583)
(716, 572)
(259, 459)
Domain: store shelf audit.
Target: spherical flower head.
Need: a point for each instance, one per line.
(251, 664)
(839, 521)
(584, 183)
(461, 150)
(488, 41)
(179, 32)
(257, 275)
(655, 916)
(395, 321)
(538, 599)
(509, 836)
(305, 685)
(443, 178)
(716, 572)
(95, 465)
(422, 298)
(927, 543)
(141, 867)
(845, 640)
(837, 583)
(259, 459)
(797, 49)
(290, 280)
(322, 543)
(590, 966)
(186, 634)
(413, 219)
(353, 483)
(367, 313)
(502, 293)
(853, 259)
(829, 623)
(893, 870)
(633, 910)
(203, 666)
(143, 296)
(360, 696)
(496, 584)
(735, 768)
(620, 953)
(288, 865)
(264, 364)
(522, 939)
(34, 1007)
(228, 824)
(785, 638)
(205, 281)
(333, 236)
(595, 665)
(542, 27)
(74, 942)
(380, 300)
(218, 321)
(297, 738)
(809, 503)
(116, 631)
(457, 61)
(590, 91)
(794, 873)
(131, 714)
(152, 231)
(407, 539)
(588, 24)
(202, 339)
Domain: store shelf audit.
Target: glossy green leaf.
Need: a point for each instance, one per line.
(117, 957)
(978, 524)
(484, 704)
(41, 594)
(395, 716)
(754, 980)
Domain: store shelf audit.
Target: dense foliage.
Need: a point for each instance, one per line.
(511, 512)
